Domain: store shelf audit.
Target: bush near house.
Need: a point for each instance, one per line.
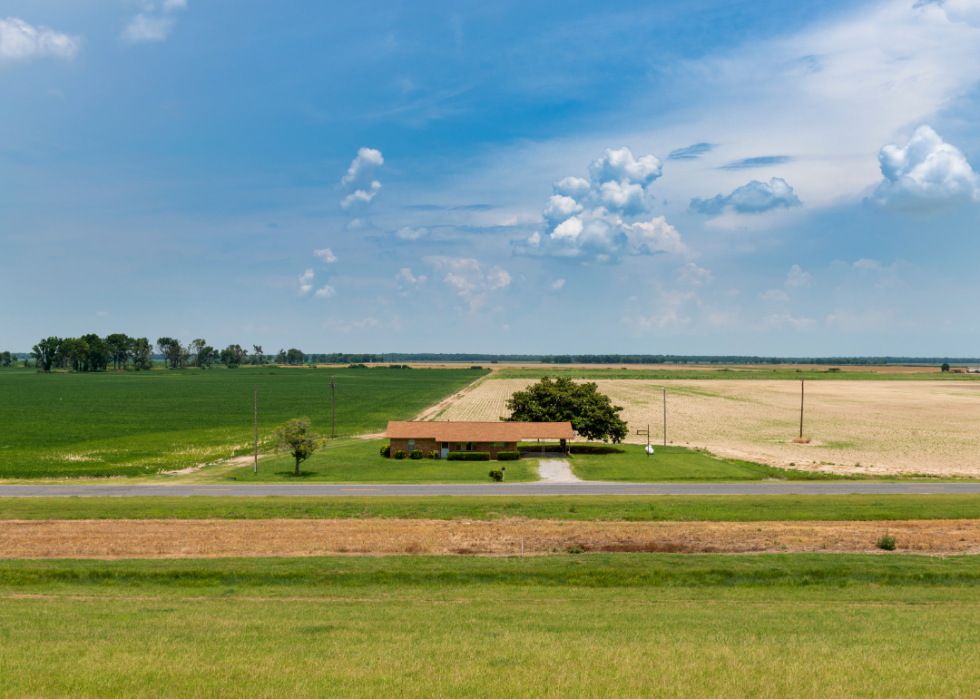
(433, 455)
(386, 450)
(508, 455)
(400, 454)
(469, 456)
(497, 475)
(415, 454)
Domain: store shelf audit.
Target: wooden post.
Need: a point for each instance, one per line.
(801, 408)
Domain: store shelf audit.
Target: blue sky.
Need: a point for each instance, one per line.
(703, 177)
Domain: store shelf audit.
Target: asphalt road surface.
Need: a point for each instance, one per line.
(589, 488)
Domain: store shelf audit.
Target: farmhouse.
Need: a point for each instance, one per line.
(493, 437)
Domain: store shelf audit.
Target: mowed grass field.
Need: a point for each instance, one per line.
(138, 423)
(359, 461)
(610, 625)
(871, 428)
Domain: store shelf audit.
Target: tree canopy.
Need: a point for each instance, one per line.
(591, 413)
(296, 438)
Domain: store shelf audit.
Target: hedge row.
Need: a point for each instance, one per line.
(469, 456)
(508, 455)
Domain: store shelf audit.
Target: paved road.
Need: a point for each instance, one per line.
(589, 488)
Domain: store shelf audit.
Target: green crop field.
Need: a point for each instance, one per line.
(136, 423)
(632, 625)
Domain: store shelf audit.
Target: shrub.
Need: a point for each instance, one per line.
(476, 367)
(386, 450)
(433, 455)
(886, 542)
(416, 454)
(400, 454)
(508, 455)
(356, 366)
(945, 366)
(469, 456)
(233, 366)
(497, 475)
(833, 369)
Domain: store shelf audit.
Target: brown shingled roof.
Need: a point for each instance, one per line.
(480, 431)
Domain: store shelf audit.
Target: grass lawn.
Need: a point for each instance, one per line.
(593, 625)
(359, 461)
(667, 464)
(137, 423)
(633, 508)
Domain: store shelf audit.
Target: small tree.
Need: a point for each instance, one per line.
(296, 438)
(591, 413)
(945, 366)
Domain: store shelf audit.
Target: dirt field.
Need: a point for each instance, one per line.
(208, 539)
(855, 426)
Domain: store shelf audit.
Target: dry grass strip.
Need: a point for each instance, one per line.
(111, 539)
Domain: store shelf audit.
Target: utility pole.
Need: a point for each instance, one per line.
(255, 468)
(801, 408)
(333, 407)
(664, 389)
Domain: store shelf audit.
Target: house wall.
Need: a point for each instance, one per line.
(427, 445)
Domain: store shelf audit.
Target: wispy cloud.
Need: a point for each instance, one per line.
(690, 152)
(153, 23)
(19, 41)
(747, 163)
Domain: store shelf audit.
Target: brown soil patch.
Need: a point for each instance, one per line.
(108, 539)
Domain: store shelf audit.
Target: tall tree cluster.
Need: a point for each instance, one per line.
(93, 353)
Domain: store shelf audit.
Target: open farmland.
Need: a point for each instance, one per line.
(872, 427)
(137, 423)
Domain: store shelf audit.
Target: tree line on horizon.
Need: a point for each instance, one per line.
(94, 353)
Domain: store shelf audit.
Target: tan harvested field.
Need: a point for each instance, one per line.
(873, 427)
(109, 539)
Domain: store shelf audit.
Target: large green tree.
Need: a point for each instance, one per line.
(591, 413)
(296, 438)
(120, 347)
(46, 352)
(142, 354)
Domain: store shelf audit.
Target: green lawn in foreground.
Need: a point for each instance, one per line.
(135, 423)
(599, 625)
(360, 461)
(631, 508)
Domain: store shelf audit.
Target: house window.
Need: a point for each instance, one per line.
(411, 444)
(498, 445)
(464, 446)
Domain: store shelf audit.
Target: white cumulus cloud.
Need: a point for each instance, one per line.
(796, 277)
(774, 295)
(360, 182)
(153, 23)
(557, 285)
(695, 275)
(596, 219)
(326, 292)
(409, 233)
(20, 41)
(306, 282)
(471, 280)
(753, 198)
(407, 281)
(927, 171)
(326, 255)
